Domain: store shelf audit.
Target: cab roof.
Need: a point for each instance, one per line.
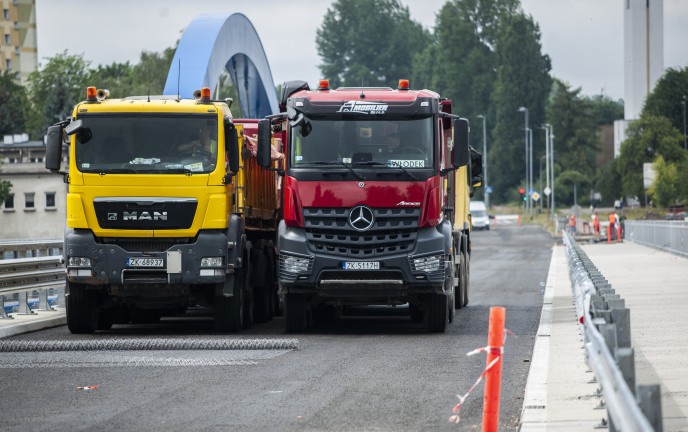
(158, 104)
(371, 94)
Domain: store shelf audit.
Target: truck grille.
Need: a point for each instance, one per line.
(144, 245)
(394, 231)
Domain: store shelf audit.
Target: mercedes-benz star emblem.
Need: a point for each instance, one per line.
(361, 218)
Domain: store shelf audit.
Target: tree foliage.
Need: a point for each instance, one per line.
(664, 189)
(570, 183)
(665, 100)
(55, 88)
(368, 42)
(522, 80)
(13, 104)
(648, 138)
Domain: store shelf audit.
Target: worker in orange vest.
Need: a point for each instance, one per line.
(611, 229)
(596, 225)
(572, 224)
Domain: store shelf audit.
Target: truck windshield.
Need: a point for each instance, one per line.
(148, 144)
(402, 142)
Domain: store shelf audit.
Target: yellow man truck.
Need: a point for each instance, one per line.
(166, 209)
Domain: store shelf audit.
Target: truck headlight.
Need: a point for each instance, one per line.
(211, 262)
(79, 262)
(292, 264)
(428, 264)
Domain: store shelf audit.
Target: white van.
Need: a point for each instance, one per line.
(479, 216)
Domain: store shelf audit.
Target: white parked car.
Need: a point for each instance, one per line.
(479, 215)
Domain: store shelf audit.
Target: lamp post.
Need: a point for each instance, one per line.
(546, 127)
(551, 155)
(530, 164)
(683, 102)
(485, 183)
(525, 111)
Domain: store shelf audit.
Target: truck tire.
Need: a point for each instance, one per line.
(106, 318)
(229, 311)
(436, 313)
(467, 277)
(82, 309)
(260, 280)
(295, 317)
(249, 296)
(460, 286)
(453, 292)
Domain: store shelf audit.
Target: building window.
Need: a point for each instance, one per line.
(6, 14)
(29, 204)
(7, 39)
(50, 200)
(9, 203)
(8, 64)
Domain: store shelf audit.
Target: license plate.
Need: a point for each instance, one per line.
(144, 262)
(361, 265)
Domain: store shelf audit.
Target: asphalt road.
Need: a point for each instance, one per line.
(373, 371)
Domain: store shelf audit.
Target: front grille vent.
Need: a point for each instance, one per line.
(394, 231)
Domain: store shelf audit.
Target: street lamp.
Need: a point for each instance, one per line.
(683, 102)
(546, 127)
(487, 194)
(530, 164)
(525, 111)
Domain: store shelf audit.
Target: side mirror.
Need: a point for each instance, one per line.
(232, 146)
(263, 156)
(53, 149)
(461, 152)
(83, 134)
(476, 162)
(477, 182)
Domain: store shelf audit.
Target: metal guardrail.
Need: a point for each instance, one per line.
(607, 327)
(29, 266)
(671, 236)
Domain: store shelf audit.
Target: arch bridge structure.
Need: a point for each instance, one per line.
(217, 43)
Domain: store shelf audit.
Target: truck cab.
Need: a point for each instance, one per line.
(368, 198)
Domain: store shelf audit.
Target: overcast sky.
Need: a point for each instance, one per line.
(584, 38)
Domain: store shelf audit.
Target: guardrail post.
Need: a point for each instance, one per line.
(650, 401)
(625, 359)
(23, 305)
(3, 314)
(61, 301)
(43, 303)
(622, 318)
(609, 333)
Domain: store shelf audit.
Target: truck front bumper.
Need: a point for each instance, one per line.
(100, 263)
(423, 270)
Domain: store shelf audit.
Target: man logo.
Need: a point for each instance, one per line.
(361, 218)
(134, 216)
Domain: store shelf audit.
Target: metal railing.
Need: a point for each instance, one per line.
(607, 327)
(31, 267)
(671, 236)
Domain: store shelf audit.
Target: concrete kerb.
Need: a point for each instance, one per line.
(39, 320)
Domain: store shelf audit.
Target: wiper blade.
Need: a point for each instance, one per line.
(345, 165)
(177, 171)
(378, 163)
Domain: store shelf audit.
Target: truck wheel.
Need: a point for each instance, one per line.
(467, 277)
(249, 296)
(106, 318)
(229, 311)
(452, 290)
(295, 318)
(260, 279)
(416, 313)
(460, 286)
(436, 311)
(82, 309)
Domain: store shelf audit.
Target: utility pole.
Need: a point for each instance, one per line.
(530, 162)
(485, 183)
(683, 102)
(525, 111)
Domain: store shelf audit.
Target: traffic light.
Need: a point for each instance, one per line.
(523, 194)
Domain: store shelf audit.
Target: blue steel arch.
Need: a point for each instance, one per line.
(216, 42)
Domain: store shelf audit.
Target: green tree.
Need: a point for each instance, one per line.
(664, 189)
(5, 187)
(148, 76)
(665, 100)
(13, 104)
(608, 182)
(605, 110)
(368, 42)
(571, 116)
(648, 138)
(570, 183)
(55, 89)
(522, 80)
(116, 77)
